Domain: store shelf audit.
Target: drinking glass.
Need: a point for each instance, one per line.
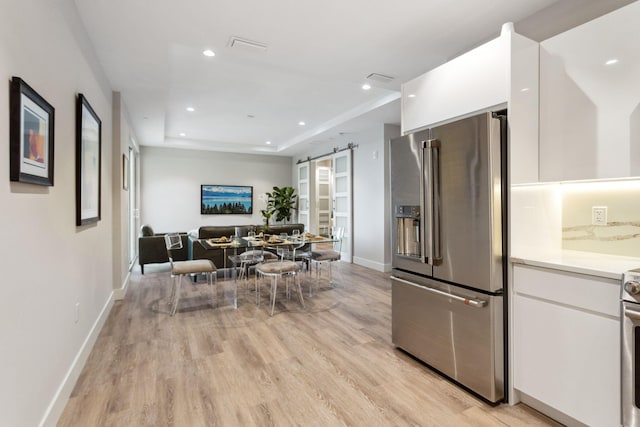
(283, 236)
(252, 235)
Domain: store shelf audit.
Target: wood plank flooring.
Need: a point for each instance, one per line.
(331, 364)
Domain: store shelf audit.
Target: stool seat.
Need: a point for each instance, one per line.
(325, 255)
(258, 253)
(278, 267)
(193, 267)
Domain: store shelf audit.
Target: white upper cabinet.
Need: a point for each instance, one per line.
(589, 99)
(500, 73)
(468, 83)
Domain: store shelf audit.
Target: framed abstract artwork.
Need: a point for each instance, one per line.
(31, 121)
(88, 162)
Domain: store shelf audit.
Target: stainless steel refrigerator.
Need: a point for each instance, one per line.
(448, 279)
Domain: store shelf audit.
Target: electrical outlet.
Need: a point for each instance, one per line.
(599, 215)
(76, 315)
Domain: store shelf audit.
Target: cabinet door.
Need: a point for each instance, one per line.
(590, 99)
(474, 81)
(567, 350)
(565, 358)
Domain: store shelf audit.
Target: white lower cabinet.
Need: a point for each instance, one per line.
(566, 342)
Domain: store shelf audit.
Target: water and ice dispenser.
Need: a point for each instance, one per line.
(408, 230)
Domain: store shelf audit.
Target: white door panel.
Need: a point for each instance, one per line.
(342, 202)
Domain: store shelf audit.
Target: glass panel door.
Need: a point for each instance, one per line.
(342, 205)
(324, 202)
(303, 195)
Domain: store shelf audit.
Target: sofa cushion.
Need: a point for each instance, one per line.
(284, 228)
(215, 231)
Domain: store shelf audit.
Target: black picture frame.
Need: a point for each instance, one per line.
(31, 135)
(125, 172)
(226, 199)
(88, 163)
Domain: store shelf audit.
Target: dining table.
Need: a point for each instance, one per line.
(260, 241)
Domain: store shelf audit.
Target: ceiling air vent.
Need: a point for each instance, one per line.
(381, 78)
(236, 42)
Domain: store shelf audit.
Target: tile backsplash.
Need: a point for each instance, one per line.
(621, 234)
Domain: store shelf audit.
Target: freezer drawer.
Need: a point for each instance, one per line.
(460, 335)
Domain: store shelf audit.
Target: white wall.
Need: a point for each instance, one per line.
(122, 137)
(171, 179)
(48, 263)
(371, 224)
(371, 239)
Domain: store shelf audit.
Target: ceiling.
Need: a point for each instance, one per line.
(314, 60)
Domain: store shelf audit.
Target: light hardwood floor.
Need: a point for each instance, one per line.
(331, 364)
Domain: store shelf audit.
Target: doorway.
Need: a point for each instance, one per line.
(325, 196)
(132, 208)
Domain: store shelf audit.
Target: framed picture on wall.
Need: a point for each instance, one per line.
(226, 199)
(125, 172)
(31, 121)
(88, 162)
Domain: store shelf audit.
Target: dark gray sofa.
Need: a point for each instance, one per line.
(152, 248)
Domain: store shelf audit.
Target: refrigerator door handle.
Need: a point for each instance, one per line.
(433, 196)
(473, 302)
(425, 256)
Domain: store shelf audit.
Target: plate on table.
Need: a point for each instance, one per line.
(219, 243)
(273, 240)
(218, 240)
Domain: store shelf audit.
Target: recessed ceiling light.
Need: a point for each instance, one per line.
(412, 95)
(301, 123)
(268, 142)
(611, 61)
(208, 52)
(525, 89)
(183, 134)
(191, 109)
(366, 86)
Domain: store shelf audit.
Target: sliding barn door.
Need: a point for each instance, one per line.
(342, 204)
(303, 195)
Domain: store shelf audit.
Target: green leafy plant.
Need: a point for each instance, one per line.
(281, 203)
(267, 213)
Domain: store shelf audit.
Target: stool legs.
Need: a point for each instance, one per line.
(176, 296)
(274, 289)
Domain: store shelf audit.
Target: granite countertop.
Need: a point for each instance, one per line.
(590, 263)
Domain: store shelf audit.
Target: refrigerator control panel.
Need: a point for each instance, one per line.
(407, 211)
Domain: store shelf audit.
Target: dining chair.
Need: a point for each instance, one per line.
(321, 256)
(282, 269)
(249, 259)
(184, 268)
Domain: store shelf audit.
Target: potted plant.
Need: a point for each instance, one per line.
(267, 213)
(280, 203)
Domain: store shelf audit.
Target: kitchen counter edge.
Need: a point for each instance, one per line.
(592, 264)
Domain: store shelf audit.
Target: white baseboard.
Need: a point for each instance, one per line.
(374, 265)
(118, 294)
(60, 399)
